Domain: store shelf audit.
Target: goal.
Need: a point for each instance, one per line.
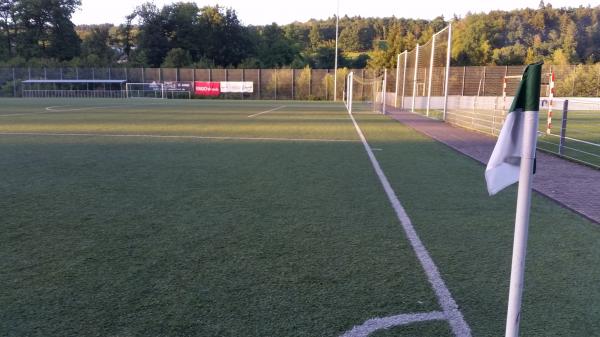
(364, 95)
(145, 90)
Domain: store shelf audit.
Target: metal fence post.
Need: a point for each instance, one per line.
(563, 129)
(293, 84)
(310, 82)
(362, 86)
(259, 83)
(462, 89)
(404, 79)
(397, 80)
(484, 80)
(327, 86)
(275, 84)
(384, 92)
(415, 78)
(447, 79)
(430, 73)
(14, 83)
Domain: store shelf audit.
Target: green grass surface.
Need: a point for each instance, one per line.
(583, 136)
(142, 236)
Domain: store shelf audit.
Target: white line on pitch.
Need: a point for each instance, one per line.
(176, 137)
(53, 109)
(453, 315)
(376, 324)
(264, 112)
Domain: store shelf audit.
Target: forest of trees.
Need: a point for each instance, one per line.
(40, 32)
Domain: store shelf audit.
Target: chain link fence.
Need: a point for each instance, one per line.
(410, 81)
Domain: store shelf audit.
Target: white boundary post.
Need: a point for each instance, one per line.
(430, 72)
(350, 90)
(415, 78)
(550, 102)
(447, 80)
(397, 80)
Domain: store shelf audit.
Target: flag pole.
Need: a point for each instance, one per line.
(517, 274)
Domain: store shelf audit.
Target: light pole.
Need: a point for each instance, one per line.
(337, 28)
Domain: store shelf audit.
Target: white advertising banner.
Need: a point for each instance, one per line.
(243, 87)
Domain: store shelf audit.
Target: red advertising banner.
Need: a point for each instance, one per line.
(207, 88)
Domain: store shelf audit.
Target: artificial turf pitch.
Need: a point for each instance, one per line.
(272, 225)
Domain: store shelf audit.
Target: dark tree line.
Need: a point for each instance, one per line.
(182, 35)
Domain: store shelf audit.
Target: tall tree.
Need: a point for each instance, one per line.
(97, 43)
(46, 29)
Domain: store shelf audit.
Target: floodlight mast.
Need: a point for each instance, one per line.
(337, 29)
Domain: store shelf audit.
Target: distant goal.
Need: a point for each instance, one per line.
(145, 90)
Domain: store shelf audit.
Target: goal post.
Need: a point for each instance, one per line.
(145, 90)
(550, 94)
(364, 95)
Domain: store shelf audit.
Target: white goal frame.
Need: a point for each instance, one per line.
(154, 94)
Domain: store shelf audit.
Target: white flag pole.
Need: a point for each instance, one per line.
(517, 274)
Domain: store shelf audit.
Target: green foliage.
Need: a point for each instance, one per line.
(275, 50)
(38, 29)
(303, 83)
(177, 58)
(583, 81)
(510, 55)
(41, 29)
(97, 43)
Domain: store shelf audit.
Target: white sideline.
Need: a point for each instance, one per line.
(376, 324)
(459, 326)
(264, 112)
(176, 137)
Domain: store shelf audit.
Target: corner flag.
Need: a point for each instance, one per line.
(513, 160)
(504, 164)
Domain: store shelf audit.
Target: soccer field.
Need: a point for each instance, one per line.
(264, 218)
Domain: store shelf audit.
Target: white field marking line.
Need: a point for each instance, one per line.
(376, 324)
(176, 137)
(459, 326)
(264, 112)
(52, 109)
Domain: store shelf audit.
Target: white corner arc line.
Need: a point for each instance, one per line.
(50, 134)
(376, 324)
(264, 112)
(459, 326)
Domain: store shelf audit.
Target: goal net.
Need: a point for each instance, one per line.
(364, 95)
(145, 90)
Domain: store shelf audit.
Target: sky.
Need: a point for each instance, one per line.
(261, 12)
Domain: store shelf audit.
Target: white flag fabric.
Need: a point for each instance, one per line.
(503, 167)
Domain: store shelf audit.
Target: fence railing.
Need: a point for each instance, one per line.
(317, 84)
(575, 134)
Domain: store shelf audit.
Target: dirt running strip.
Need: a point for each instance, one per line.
(570, 184)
